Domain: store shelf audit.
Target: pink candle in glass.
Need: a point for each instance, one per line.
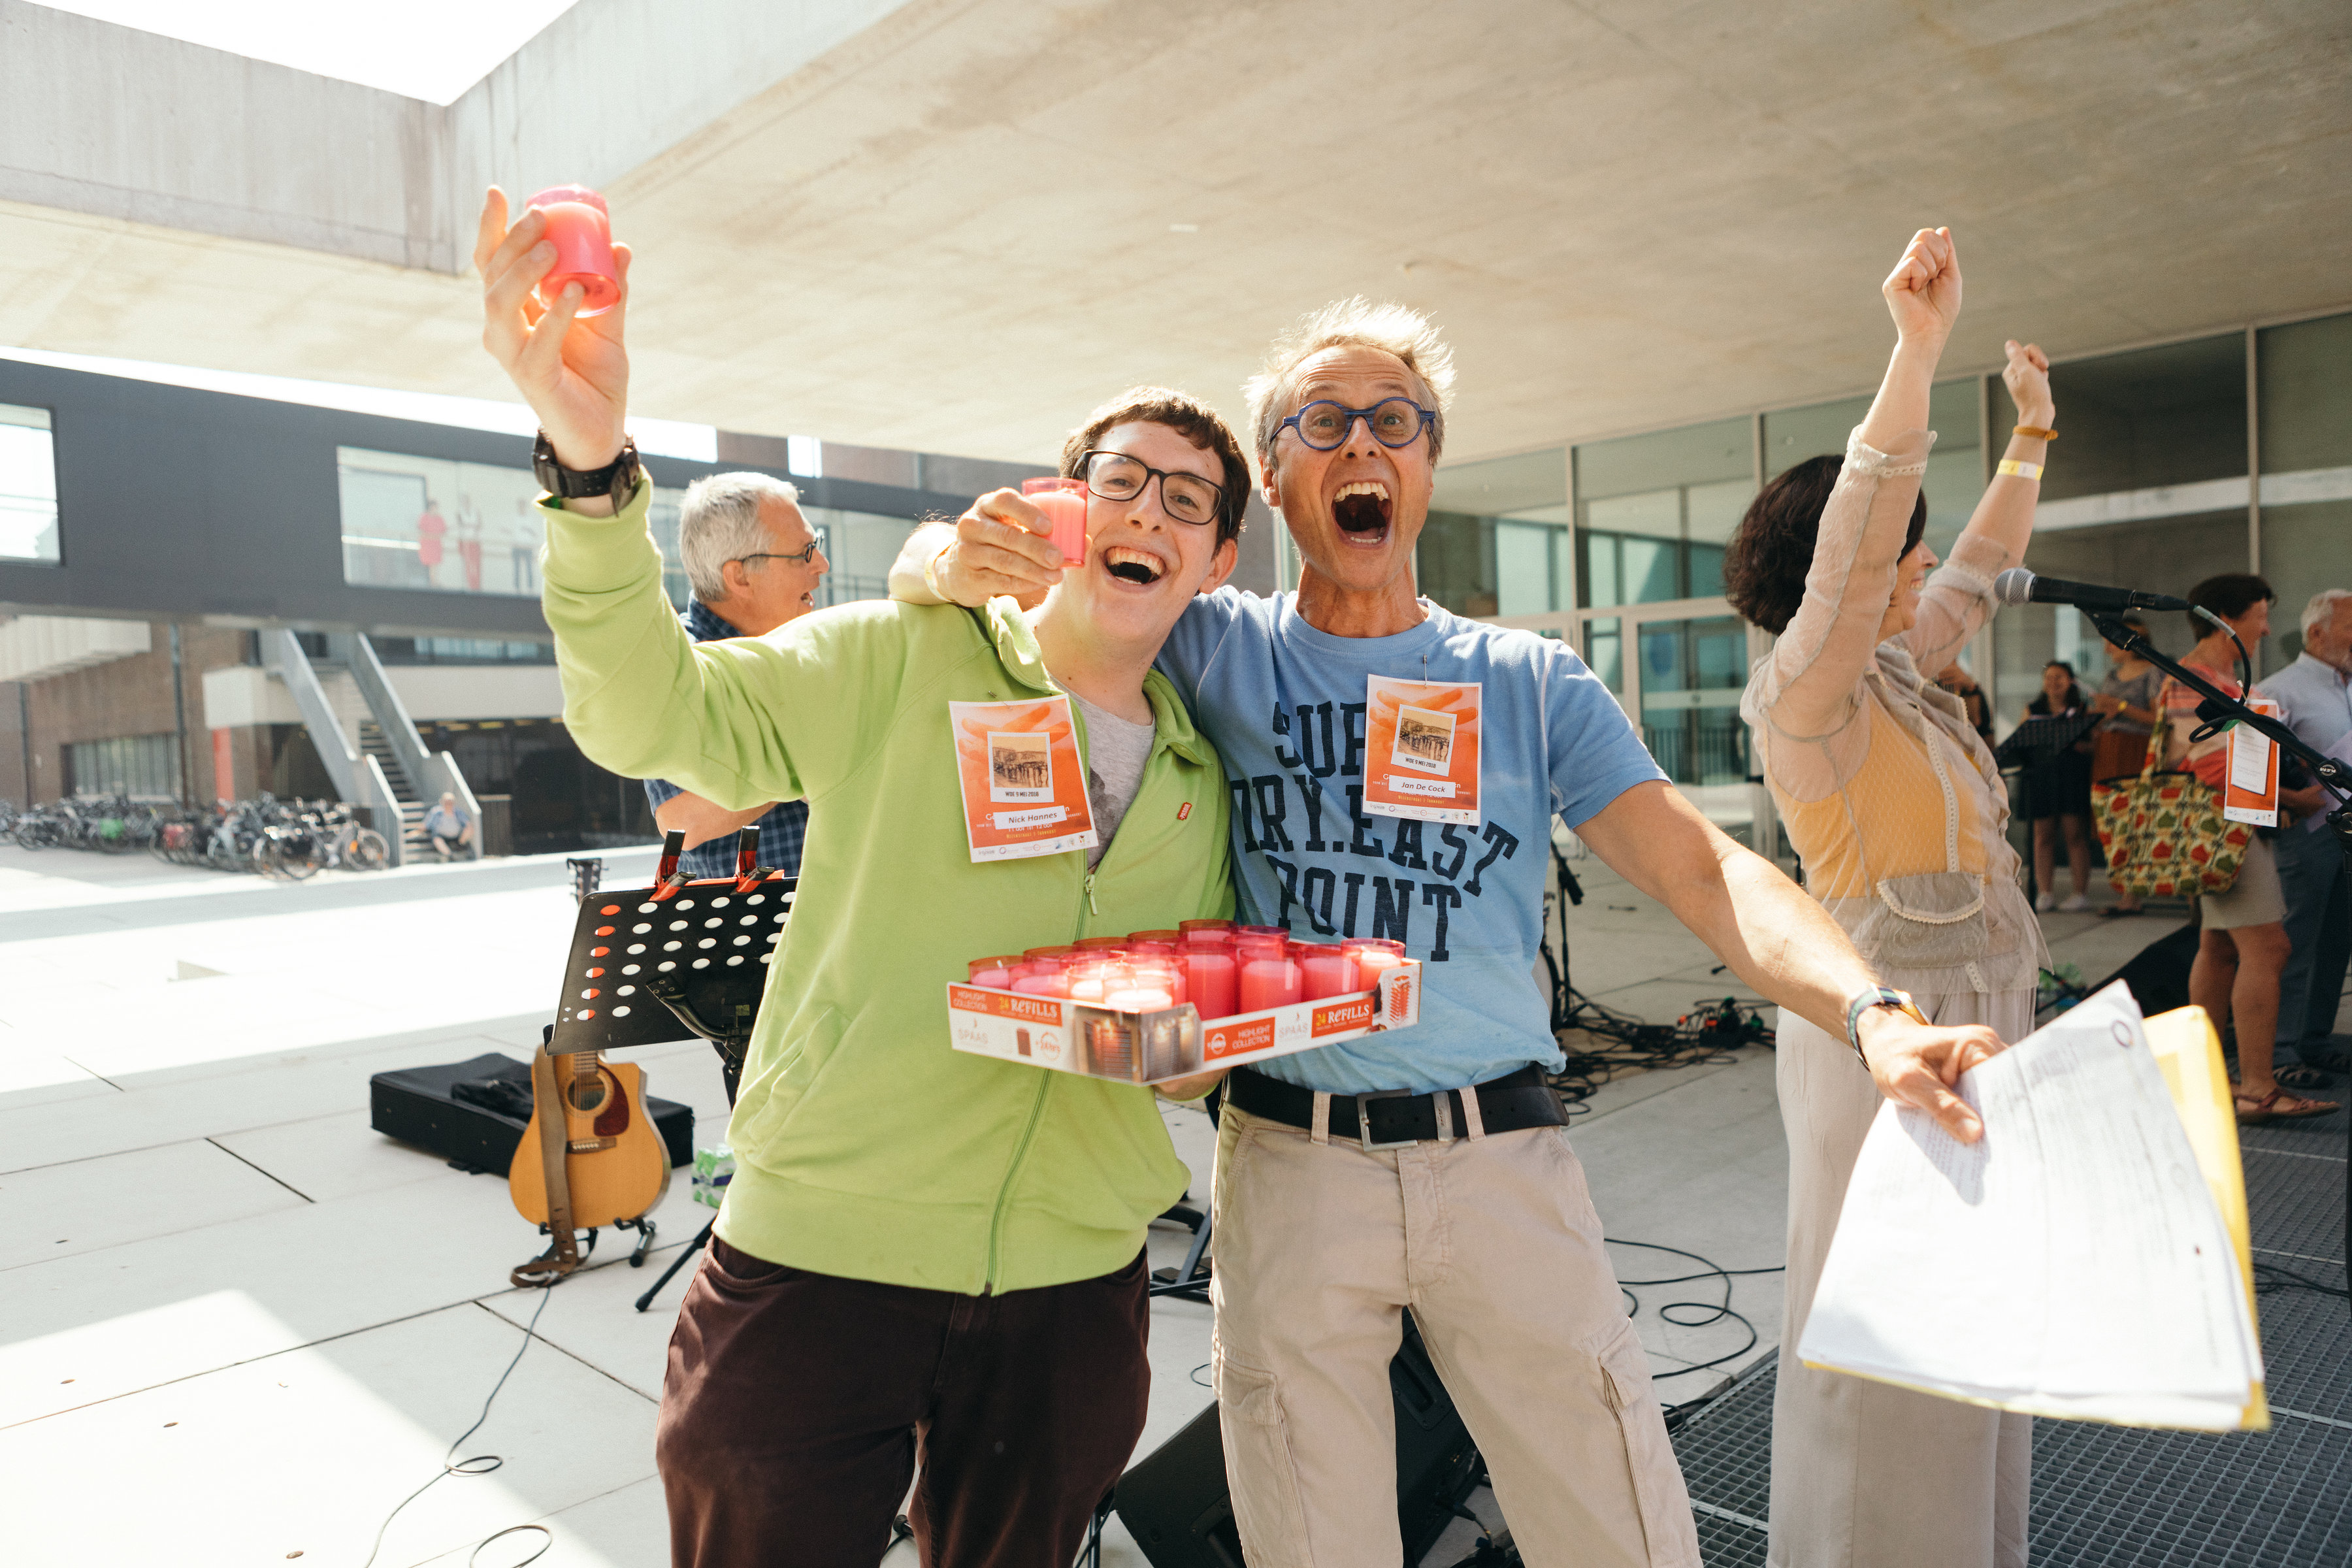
(581, 229)
(1269, 976)
(1212, 978)
(1185, 929)
(1154, 937)
(1092, 980)
(1043, 977)
(1063, 502)
(993, 972)
(1160, 972)
(1375, 956)
(1325, 970)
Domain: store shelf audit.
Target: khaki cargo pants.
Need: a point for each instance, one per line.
(1492, 1242)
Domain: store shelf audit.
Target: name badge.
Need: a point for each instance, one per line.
(2249, 789)
(1421, 749)
(1025, 788)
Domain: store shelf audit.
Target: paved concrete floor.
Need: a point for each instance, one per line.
(237, 1325)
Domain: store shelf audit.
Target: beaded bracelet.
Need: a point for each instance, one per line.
(2034, 432)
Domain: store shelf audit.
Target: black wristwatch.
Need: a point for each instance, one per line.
(617, 478)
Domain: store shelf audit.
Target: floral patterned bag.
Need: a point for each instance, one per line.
(2164, 834)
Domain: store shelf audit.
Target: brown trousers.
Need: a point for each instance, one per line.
(797, 1407)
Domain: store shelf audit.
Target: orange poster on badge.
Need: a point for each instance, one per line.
(1025, 788)
(1421, 749)
(2250, 788)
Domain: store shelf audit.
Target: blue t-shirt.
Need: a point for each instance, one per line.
(1285, 704)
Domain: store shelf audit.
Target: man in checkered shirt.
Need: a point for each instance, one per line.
(753, 562)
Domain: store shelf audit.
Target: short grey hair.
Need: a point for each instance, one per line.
(1352, 322)
(2322, 610)
(718, 522)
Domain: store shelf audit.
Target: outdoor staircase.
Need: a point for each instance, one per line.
(412, 803)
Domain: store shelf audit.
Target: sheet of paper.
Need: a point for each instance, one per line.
(2252, 794)
(2072, 1263)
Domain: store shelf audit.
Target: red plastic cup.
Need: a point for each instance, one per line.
(581, 229)
(1063, 502)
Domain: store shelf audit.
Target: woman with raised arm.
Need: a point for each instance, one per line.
(1897, 808)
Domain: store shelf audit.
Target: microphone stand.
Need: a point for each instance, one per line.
(2218, 708)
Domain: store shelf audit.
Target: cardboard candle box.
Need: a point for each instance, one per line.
(1125, 1046)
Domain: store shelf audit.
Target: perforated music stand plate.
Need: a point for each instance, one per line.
(721, 943)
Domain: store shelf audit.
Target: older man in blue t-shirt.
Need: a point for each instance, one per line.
(1427, 1168)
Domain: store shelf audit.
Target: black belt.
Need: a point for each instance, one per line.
(1390, 1118)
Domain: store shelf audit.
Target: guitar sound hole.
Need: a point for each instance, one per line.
(588, 1094)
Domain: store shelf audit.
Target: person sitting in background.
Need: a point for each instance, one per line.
(1897, 809)
(1956, 680)
(2243, 947)
(753, 563)
(2316, 692)
(449, 830)
(2120, 746)
(2054, 793)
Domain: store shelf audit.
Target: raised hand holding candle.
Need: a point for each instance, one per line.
(581, 229)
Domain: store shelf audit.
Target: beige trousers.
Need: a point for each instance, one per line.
(1492, 1242)
(1866, 1475)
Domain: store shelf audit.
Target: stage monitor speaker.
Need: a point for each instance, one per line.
(1176, 1504)
(473, 1113)
(2158, 974)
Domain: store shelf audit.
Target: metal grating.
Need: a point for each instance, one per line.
(2104, 1496)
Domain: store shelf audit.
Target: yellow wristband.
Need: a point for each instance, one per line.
(2022, 471)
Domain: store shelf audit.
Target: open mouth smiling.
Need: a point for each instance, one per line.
(1135, 566)
(1361, 510)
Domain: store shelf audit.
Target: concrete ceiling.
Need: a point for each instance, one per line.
(959, 228)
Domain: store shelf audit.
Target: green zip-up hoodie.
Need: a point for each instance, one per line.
(865, 1147)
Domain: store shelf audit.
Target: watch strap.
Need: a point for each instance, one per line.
(1862, 1001)
(616, 479)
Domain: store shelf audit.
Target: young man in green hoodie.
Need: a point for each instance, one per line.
(924, 1255)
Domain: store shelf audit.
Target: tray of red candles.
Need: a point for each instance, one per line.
(1159, 1004)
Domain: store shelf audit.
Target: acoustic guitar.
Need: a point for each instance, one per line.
(615, 1162)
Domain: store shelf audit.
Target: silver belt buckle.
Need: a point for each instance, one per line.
(1364, 1119)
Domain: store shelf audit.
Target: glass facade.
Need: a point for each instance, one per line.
(473, 528)
(2226, 453)
(29, 486)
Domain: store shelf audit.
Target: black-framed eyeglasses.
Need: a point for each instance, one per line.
(1187, 498)
(798, 557)
(1393, 422)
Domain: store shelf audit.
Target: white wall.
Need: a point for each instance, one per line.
(248, 694)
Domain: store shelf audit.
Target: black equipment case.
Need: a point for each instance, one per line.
(1177, 1506)
(473, 1113)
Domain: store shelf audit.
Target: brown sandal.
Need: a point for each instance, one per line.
(2278, 1105)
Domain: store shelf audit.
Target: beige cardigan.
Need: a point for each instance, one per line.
(1896, 807)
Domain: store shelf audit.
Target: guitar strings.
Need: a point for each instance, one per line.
(479, 1464)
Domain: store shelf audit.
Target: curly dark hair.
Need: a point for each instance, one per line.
(1189, 417)
(1764, 567)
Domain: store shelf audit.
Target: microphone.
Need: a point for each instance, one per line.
(2018, 587)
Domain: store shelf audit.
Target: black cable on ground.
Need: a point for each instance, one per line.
(479, 1464)
(2269, 1277)
(1716, 1312)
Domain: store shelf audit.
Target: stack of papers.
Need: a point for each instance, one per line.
(2087, 1258)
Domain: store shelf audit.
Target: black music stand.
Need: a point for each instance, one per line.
(678, 960)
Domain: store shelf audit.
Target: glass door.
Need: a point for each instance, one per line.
(1678, 669)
